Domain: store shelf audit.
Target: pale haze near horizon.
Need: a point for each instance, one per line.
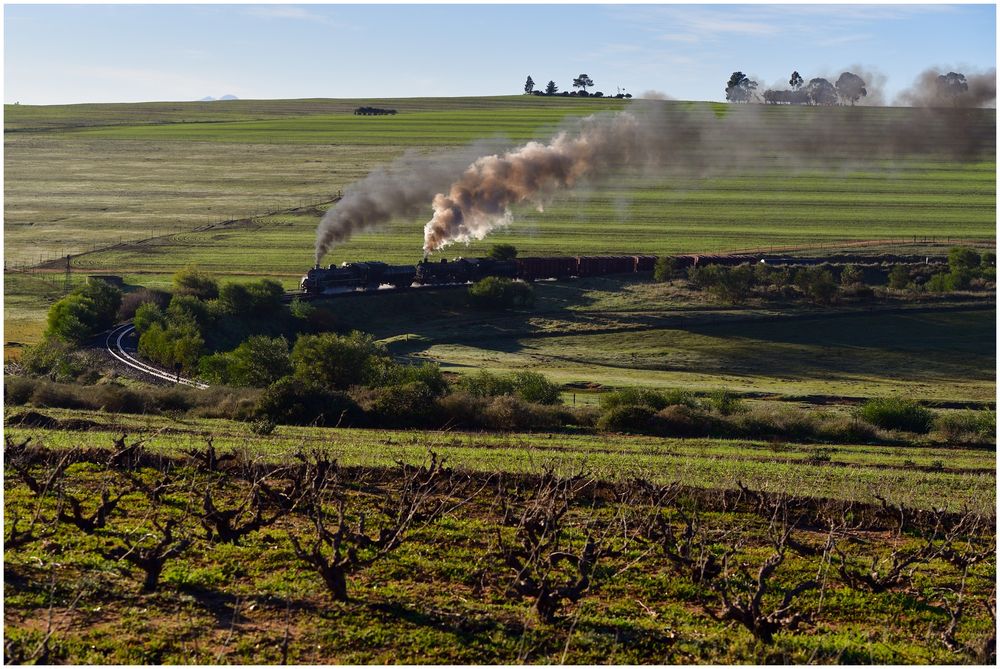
(58, 54)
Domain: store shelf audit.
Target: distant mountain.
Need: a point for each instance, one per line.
(224, 97)
(229, 97)
(208, 99)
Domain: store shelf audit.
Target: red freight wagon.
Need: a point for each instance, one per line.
(552, 267)
(645, 263)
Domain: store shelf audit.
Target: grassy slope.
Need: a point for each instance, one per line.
(626, 332)
(80, 177)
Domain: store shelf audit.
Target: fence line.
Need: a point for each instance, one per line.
(56, 262)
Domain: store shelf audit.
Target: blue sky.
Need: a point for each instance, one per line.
(126, 53)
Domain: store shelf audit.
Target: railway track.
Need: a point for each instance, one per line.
(114, 343)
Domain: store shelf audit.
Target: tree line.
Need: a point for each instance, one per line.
(582, 82)
(848, 89)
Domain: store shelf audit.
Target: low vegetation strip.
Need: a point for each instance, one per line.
(916, 476)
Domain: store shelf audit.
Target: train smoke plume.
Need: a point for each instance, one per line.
(481, 198)
(474, 190)
(936, 88)
(401, 189)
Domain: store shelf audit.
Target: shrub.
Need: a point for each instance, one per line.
(848, 429)
(686, 421)
(334, 361)
(486, 384)
(502, 252)
(666, 268)
(462, 409)
(893, 413)
(115, 398)
(56, 395)
(899, 277)
(529, 386)
(726, 402)
(408, 405)
(289, 401)
(172, 345)
(816, 283)
(628, 418)
(496, 292)
(534, 387)
(850, 276)
(653, 399)
(386, 372)
(763, 422)
(963, 259)
(17, 390)
(84, 312)
(967, 426)
(729, 284)
(512, 414)
(54, 358)
(198, 284)
(146, 315)
(257, 362)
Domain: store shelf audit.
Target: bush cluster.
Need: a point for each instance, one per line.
(528, 386)
(894, 413)
(217, 402)
(676, 413)
(495, 292)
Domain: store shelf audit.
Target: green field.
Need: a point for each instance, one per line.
(98, 179)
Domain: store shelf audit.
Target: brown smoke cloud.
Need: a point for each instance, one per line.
(928, 92)
(480, 200)
(402, 188)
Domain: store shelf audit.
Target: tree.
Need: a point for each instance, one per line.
(582, 82)
(740, 88)
(850, 276)
(529, 86)
(821, 92)
(257, 362)
(147, 314)
(84, 312)
(551, 88)
(502, 252)
(192, 281)
(817, 284)
(796, 81)
(952, 85)
(333, 361)
(850, 87)
(960, 259)
(665, 269)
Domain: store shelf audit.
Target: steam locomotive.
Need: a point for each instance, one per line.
(371, 275)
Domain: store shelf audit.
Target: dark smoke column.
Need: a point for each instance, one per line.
(480, 200)
(401, 189)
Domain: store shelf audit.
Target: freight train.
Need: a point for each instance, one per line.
(372, 275)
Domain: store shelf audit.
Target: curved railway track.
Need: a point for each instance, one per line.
(115, 345)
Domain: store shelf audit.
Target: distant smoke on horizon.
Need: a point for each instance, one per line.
(931, 89)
